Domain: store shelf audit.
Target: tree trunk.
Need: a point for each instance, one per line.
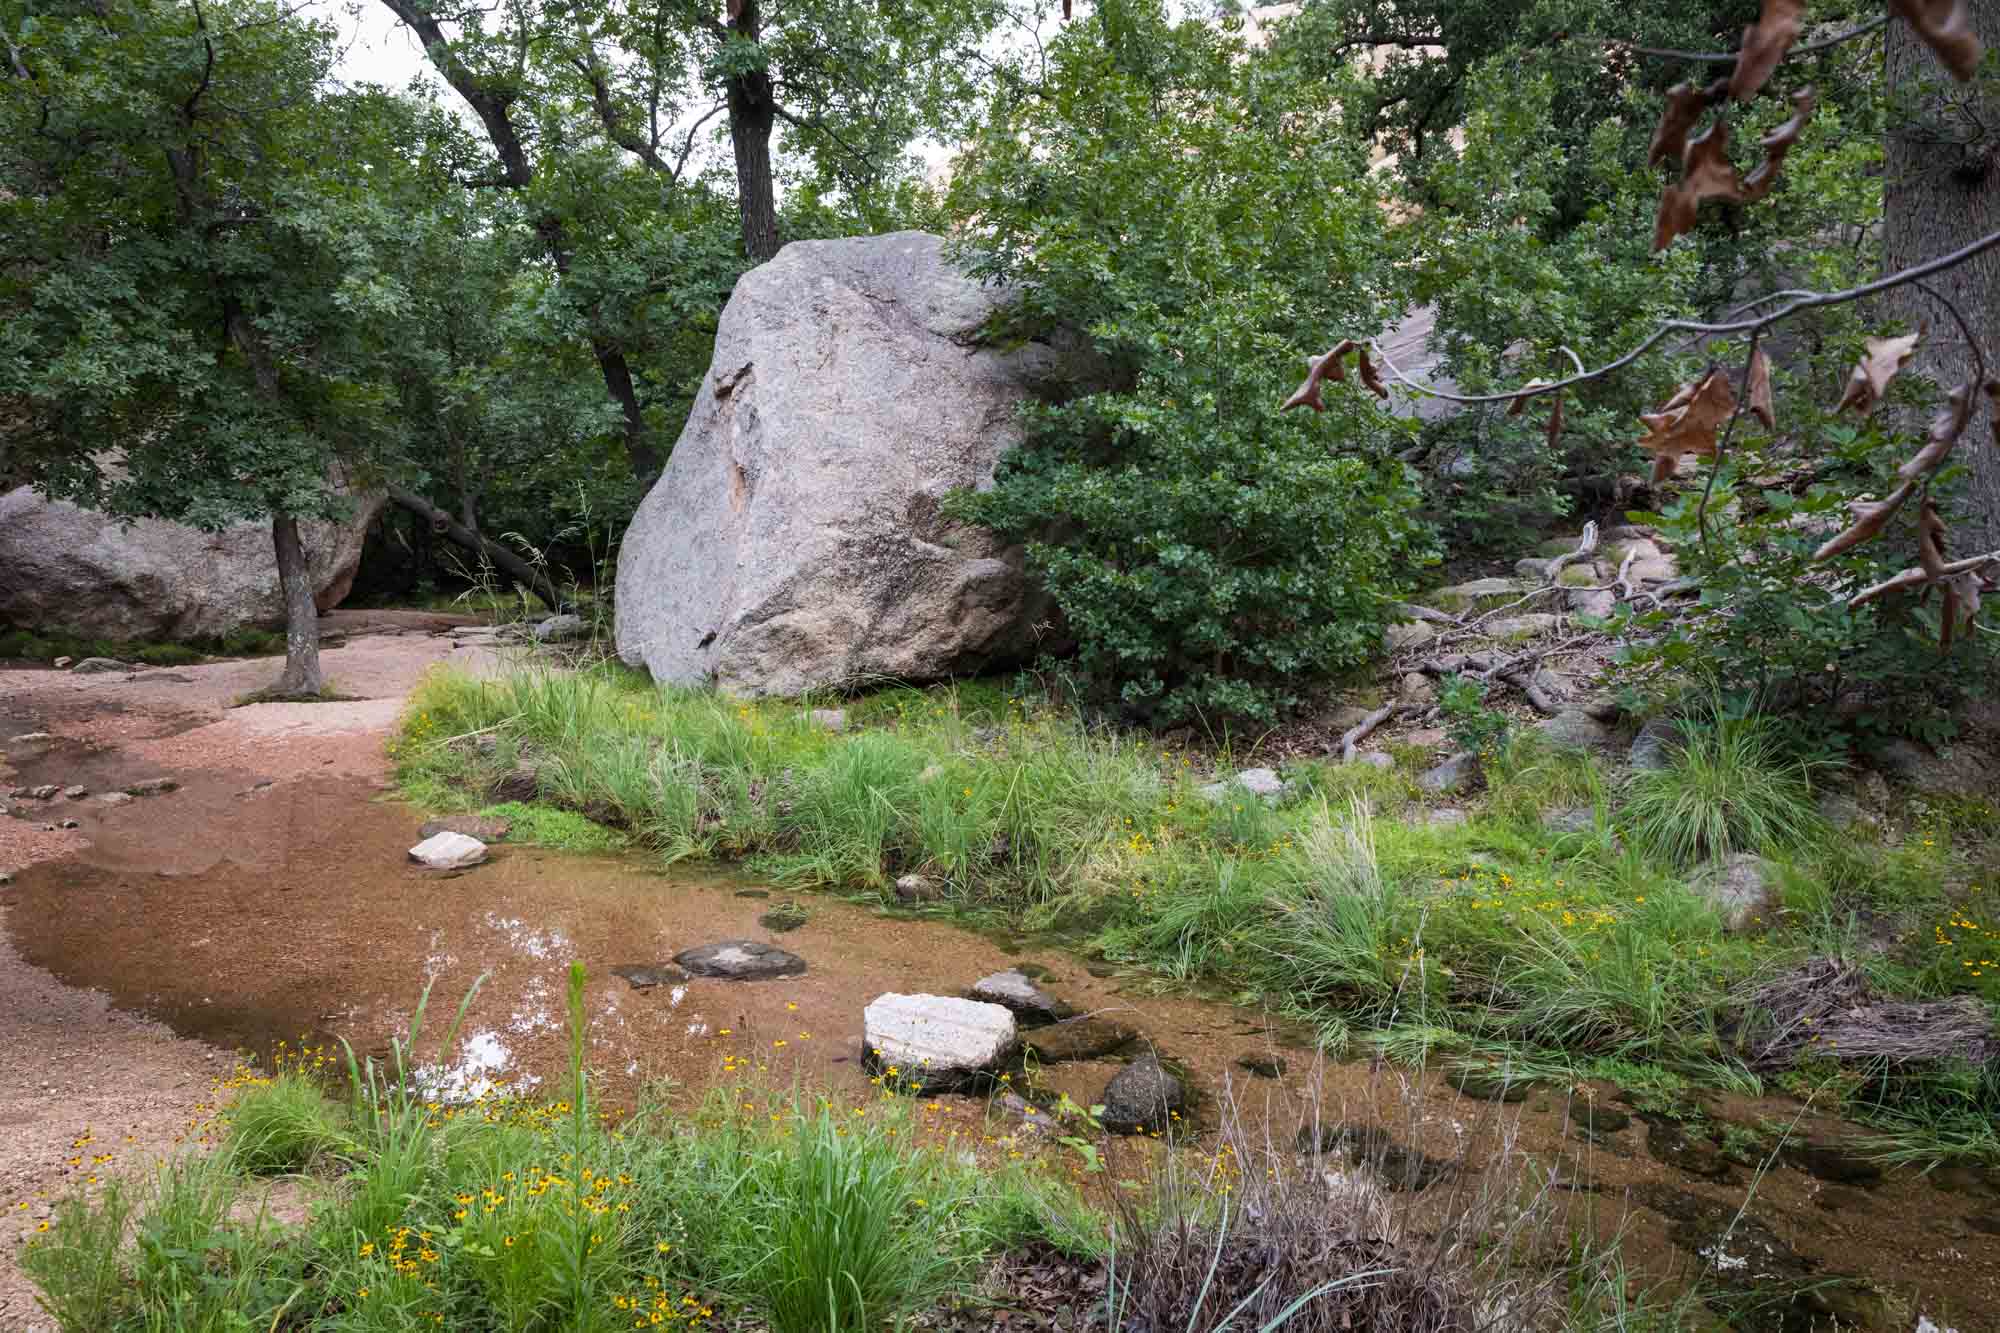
(644, 459)
(509, 563)
(752, 113)
(753, 110)
(1943, 191)
(302, 676)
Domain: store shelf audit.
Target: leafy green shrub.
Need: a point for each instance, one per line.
(1468, 722)
(1212, 556)
(1729, 788)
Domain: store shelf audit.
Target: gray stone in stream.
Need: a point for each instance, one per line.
(741, 960)
(561, 629)
(644, 976)
(1141, 1098)
(784, 918)
(1031, 1004)
(75, 793)
(1454, 774)
(936, 1042)
(1742, 887)
(116, 798)
(1263, 783)
(448, 851)
(31, 738)
(91, 666)
(798, 537)
(46, 792)
(486, 828)
(151, 787)
(1653, 749)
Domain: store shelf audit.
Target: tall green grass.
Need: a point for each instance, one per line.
(1729, 787)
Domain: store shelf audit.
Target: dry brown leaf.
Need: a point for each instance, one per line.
(1946, 27)
(1366, 370)
(1869, 520)
(1757, 389)
(1764, 45)
(1909, 578)
(1930, 541)
(1871, 376)
(1687, 424)
(1328, 367)
(1555, 420)
(1946, 427)
(1775, 145)
(1707, 174)
(1685, 103)
(1961, 604)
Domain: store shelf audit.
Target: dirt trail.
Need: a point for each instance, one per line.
(87, 1089)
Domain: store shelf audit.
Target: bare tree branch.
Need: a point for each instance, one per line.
(1730, 57)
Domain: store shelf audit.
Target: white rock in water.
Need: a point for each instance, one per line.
(448, 851)
(936, 1041)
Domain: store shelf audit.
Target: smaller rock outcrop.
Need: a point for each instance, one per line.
(1012, 990)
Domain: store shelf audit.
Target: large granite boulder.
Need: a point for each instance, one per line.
(80, 572)
(796, 539)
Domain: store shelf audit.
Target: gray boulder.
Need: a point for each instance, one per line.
(936, 1042)
(796, 539)
(92, 666)
(1742, 887)
(1654, 748)
(1454, 774)
(85, 573)
(561, 629)
(1142, 1098)
(1263, 783)
(1574, 727)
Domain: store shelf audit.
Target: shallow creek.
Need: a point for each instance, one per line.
(247, 914)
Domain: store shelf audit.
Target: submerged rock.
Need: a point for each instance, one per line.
(645, 976)
(1397, 1168)
(1086, 1038)
(740, 960)
(1142, 1098)
(936, 1042)
(448, 851)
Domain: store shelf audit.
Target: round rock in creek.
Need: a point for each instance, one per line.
(740, 960)
(1142, 1098)
(448, 851)
(936, 1042)
(1012, 990)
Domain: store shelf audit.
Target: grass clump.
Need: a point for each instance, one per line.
(1728, 788)
(563, 830)
(286, 1124)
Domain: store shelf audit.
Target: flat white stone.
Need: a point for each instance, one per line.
(936, 1040)
(448, 851)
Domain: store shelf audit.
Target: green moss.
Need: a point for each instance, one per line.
(539, 825)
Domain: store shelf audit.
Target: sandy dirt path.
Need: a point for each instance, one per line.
(87, 1090)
